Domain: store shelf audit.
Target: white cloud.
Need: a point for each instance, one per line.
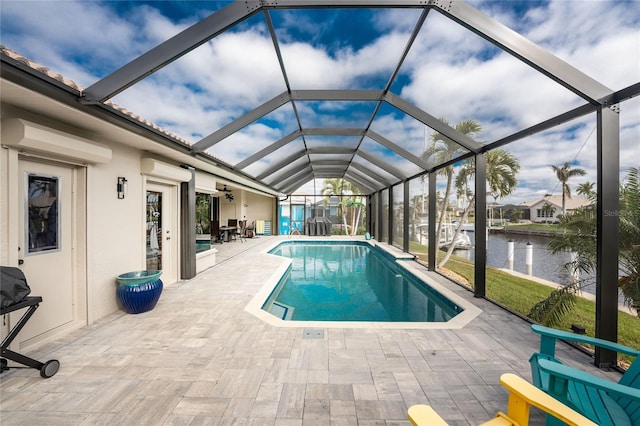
(450, 72)
(500, 89)
(190, 115)
(309, 67)
(407, 132)
(61, 34)
(600, 38)
(630, 134)
(244, 143)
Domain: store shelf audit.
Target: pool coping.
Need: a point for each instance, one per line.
(254, 307)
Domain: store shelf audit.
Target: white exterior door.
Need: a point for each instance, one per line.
(161, 230)
(46, 244)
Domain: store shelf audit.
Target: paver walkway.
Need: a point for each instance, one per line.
(199, 359)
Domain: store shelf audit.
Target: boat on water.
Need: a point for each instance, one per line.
(468, 227)
(463, 242)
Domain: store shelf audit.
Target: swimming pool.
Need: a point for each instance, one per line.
(352, 281)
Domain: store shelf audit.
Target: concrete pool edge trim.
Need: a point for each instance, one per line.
(254, 307)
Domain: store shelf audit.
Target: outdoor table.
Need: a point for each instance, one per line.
(226, 231)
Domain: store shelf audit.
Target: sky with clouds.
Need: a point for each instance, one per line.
(449, 72)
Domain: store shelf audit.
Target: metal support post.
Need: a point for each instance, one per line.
(433, 207)
(480, 261)
(390, 217)
(608, 223)
(188, 226)
(380, 227)
(405, 235)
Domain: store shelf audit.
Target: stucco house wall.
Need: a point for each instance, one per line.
(571, 203)
(83, 151)
(246, 205)
(533, 212)
(109, 235)
(115, 240)
(260, 208)
(111, 240)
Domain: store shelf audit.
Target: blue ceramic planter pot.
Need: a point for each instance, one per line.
(139, 291)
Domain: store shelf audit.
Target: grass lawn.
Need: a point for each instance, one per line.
(520, 295)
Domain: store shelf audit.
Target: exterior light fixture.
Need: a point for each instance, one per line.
(122, 187)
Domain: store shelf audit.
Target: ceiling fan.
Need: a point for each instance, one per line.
(225, 189)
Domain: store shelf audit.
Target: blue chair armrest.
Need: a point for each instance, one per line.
(570, 374)
(549, 336)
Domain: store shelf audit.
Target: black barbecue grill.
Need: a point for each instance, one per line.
(14, 292)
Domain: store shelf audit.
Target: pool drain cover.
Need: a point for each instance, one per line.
(310, 333)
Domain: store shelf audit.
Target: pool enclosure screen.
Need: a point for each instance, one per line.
(377, 122)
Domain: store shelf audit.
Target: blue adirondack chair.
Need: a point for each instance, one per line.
(603, 401)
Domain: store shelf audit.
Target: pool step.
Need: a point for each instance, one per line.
(281, 310)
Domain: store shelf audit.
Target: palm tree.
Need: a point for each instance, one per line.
(515, 215)
(355, 207)
(629, 239)
(351, 203)
(335, 187)
(547, 210)
(441, 150)
(564, 173)
(416, 205)
(203, 213)
(580, 237)
(502, 170)
(587, 190)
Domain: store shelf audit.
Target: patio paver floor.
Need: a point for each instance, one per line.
(199, 359)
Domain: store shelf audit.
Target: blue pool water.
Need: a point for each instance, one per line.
(202, 246)
(352, 281)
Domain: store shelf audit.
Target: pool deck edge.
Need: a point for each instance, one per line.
(254, 307)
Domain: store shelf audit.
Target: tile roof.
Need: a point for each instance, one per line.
(570, 203)
(77, 87)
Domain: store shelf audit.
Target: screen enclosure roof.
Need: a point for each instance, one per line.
(342, 89)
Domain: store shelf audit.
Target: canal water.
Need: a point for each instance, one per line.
(547, 266)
